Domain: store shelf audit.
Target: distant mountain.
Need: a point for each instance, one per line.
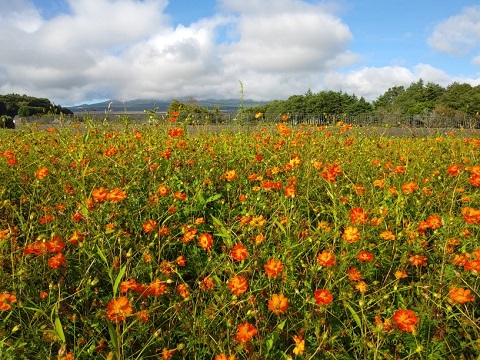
(230, 105)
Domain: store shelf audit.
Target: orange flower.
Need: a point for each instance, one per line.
(273, 267)
(361, 286)
(181, 260)
(387, 235)
(207, 284)
(460, 295)
(379, 183)
(473, 265)
(238, 285)
(400, 274)
(179, 195)
(475, 180)
(358, 216)
(239, 252)
(290, 191)
(278, 304)
(245, 332)
(351, 234)
(434, 222)
(128, 285)
(471, 215)
(454, 170)
(323, 297)
(99, 194)
(68, 356)
(354, 274)
(365, 256)
(142, 315)
(156, 288)
(167, 354)
(299, 345)
(189, 234)
(163, 190)
(418, 260)
(55, 245)
(116, 195)
(6, 301)
(326, 258)
(149, 226)
(230, 175)
(409, 187)
(119, 309)
(56, 261)
(406, 320)
(224, 357)
(205, 241)
(183, 290)
(42, 173)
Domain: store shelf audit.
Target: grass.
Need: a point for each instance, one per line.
(147, 242)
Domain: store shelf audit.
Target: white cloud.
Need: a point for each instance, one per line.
(128, 49)
(459, 34)
(371, 82)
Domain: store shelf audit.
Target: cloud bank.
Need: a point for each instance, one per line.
(129, 49)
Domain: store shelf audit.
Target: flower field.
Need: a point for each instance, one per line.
(147, 242)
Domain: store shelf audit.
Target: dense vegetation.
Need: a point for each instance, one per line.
(22, 105)
(419, 98)
(147, 242)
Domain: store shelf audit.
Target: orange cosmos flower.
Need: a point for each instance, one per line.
(354, 274)
(365, 256)
(351, 234)
(224, 357)
(163, 190)
(471, 215)
(290, 191)
(205, 241)
(460, 295)
(116, 195)
(207, 284)
(323, 296)
(406, 320)
(156, 288)
(99, 194)
(128, 285)
(245, 332)
(179, 195)
(239, 252)
(119, 309)
(238, 285)
(142, 316)
(42, 173)
(299, 345)
(56, 261)
(6, 301)
(409, 187)
(183, 290)
(387, 235)
(418, 260)
(149, 226)
(475, 180)
(358, 216)
(55, 245)
(454, 170)
(326, 258)
(379, 183)
(434, 222)
(278, 304)
(361, 286)
(473, 265)
(189, 234)
(273, 267)
(400, 274)
(230, 175)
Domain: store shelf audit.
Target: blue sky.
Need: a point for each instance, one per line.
(76, 51)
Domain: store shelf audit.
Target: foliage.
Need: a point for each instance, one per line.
(316, 242)
(23, 105)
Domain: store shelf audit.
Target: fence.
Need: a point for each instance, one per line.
(388, 120)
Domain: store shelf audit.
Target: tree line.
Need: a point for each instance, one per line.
(23, 105)
(420, 98)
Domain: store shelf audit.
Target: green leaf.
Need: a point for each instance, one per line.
(59, 329)
(354, 314)
(118, 279)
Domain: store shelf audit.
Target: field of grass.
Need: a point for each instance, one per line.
(153, 242)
